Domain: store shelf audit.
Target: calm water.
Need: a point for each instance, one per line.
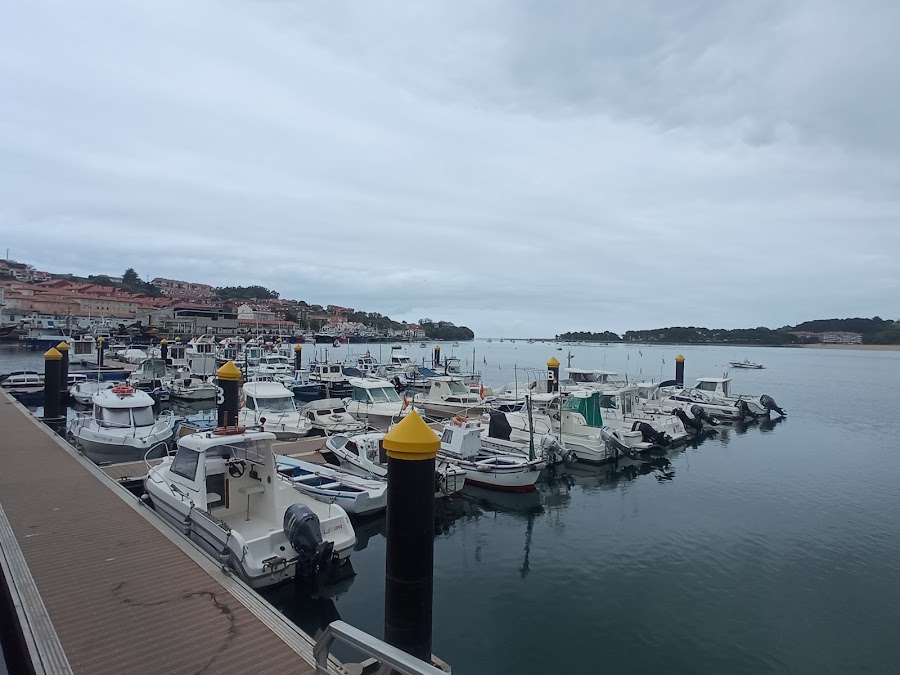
(773, 549)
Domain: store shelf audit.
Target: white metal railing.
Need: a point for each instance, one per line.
(390, 658)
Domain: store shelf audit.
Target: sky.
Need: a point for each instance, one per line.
(519, 167)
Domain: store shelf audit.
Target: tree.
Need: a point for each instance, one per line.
(291, 316)
(131, 278)
(101, 280)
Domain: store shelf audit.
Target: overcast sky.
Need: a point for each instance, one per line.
(520, 167)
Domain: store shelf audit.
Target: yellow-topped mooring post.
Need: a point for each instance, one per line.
(552, 375)
(298, 356)
(52, 399)
(436, 360)
(228, 399)
(411, 447)
(679, 370)
(100, 348)
(164, 349)
(63, 348)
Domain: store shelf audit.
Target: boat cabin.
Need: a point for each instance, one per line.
(580, 376)
(370, 392)
(324, 408)
(367, 365)
(399, 359)
(327, 372)
(24, 379)
(83, 348)
(205, 344)
(270, 397)
(462, 440)
(275, 363)
(123, 407)
(451, 390)
(714, 385)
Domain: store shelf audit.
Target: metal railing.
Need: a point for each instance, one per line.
(391, 659)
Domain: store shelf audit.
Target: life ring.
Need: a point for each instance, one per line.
(228, 431)
(122, 389)
(459, 420)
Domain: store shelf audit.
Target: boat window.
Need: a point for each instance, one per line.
(351, 446)
(607, 401)
(115, 417)
(725, 389)
(143, 417)
(185, 463)
(626, 403)
(335, 369)
(385, 395)
(457, 387)
(323, 413)
(447, 437)
(280, 404)
(250, 403)
(359, 394)
(340, 410)
(706, 386)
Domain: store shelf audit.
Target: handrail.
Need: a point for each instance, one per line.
(390, 658)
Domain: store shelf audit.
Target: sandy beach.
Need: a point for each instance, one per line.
(884, 348)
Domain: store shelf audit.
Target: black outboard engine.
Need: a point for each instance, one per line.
(301, 527)
(769, 404)
(651, 435)
(499, 426)
(741, 405)
(700, 414)
(691, 423)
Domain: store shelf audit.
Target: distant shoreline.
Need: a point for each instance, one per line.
(886, 348)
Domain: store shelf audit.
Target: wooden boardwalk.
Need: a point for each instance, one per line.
(104, 587)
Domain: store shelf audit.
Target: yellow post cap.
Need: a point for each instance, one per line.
(99, 339)
(412, 439)
(229, 372)
(52, 355)
(437, 348)
(553, 363)
(164, 341)
(177, 338)
(62, 346)
(298, 347)
(679, 358)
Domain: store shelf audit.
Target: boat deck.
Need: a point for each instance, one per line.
(102, 586)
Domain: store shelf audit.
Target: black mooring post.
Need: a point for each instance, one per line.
(679, 370)
(63, 348)
(229, 377)
(52, 399)
(552, 375)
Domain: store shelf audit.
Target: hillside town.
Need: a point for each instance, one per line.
(31, 299)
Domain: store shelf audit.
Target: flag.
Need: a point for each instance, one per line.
(481, 390)
(405, 403)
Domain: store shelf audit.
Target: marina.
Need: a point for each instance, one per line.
(574, 492)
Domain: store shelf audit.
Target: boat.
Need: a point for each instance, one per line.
(26, 386)
(376, 402)
(329, 416)
(330, 379)
(456, 344)
(356, 495)
(449, 396)
(191, 389)
(714, 396)
(423, 345)
(121, 427)
(271, 405)
(303, 389)
(83, 392)
(222, 489)
(131, 355)
(746, 364)
(461, 445)
(151, 374)
(364, 455)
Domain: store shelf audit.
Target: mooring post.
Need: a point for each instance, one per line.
(679, 370)
(52, 368)
(552, 375)
(100, 346)
(298, 356)
(164, 349)
(411, 447)
(63, 348)
(229, 377)
(436, 360)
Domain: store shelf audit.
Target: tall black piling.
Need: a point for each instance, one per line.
(63, 348)
(101, 346)
(679, 370)
(552, 375)
(52, 398)
(436, 359)
(229, 377)
(411, 447)
(164, 349)
(298, 356)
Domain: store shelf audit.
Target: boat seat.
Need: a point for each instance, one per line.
(251, 490)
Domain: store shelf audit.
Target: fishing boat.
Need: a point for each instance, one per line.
(186, 388)
(304, 390)
(330, 379)
(747, 364)
(271, 405)
(461, 445)
(329, 416)
(121, 427)
(364, 455)
(449, 397)
(356, 495)
(222, 489)
(376, 402)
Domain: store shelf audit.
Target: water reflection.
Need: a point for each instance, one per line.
(309, 605)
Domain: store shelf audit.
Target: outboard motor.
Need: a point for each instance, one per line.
(301, 527)
(499, 426)
(741, 405)
(651, 435)
(692, 423)
(769, 404)
(552, 450)
(613, 443)
(700, 414)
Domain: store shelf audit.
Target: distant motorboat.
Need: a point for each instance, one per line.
(746, 364)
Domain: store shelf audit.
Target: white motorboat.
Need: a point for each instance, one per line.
(746, 364)
(376, 403)
(329, 416)
(223, 491)
(364, 455)
(271, 406)
(496, 436)
(580, 378)
(132, 355)
(280, 367)
(450, 397)
(151, 374)
(714, 395)
(121, 427)
(461, 445)
(356, 495)
(83, 392)
(186, 388)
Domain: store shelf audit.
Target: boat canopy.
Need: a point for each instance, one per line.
(586, 404)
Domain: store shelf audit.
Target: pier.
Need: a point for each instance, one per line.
(97, 584)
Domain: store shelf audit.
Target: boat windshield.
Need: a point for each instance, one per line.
(113, 417)
(384, 395)
(281, 404)
(584, 377)
(608, 401)
(143, 417)
(457, 387)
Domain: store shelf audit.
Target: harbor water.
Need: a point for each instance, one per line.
(769, 548)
